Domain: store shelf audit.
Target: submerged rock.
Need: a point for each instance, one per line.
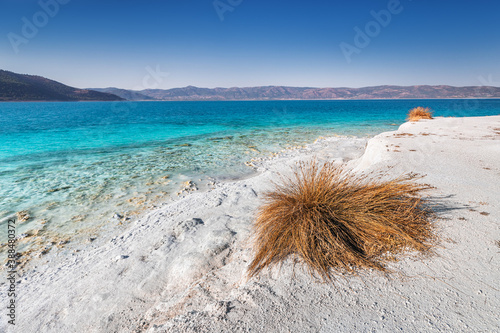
(216, 139)
(58, 189)
(23, 216)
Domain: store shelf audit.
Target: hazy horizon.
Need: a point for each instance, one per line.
(274, 85)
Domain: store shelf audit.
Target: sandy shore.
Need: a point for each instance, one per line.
(182, 268)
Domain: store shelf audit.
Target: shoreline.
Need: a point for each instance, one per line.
(35, 240)
(182, 266)
(264, 100)
(36, 249)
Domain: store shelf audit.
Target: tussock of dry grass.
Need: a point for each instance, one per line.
(418, 113)
(337, 221)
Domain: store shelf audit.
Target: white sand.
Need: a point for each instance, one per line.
(182, 268)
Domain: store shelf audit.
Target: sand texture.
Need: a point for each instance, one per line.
(182, 268)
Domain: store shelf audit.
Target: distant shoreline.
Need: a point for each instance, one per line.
(31, 88)
(262, 100)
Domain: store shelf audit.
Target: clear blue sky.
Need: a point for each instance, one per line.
(90, 43)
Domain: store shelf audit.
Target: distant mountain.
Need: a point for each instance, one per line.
(129, 95)
(21, 87)
(191, 93)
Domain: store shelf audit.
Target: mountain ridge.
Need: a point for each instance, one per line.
(24, 87)
(192, 93)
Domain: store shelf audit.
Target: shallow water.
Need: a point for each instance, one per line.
(76, 168)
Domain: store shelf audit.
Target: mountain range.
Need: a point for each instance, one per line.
(22, 87)
(191, 93)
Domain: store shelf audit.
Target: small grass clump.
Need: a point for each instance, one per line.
(418, 113)
(339, 221)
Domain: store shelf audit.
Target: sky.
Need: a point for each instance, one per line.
(163, 44)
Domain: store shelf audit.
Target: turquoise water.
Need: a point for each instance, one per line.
(72, 166)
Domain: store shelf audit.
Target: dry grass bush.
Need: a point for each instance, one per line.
(418, 113)
(337, 221)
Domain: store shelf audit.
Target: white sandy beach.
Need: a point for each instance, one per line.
(182, 268)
